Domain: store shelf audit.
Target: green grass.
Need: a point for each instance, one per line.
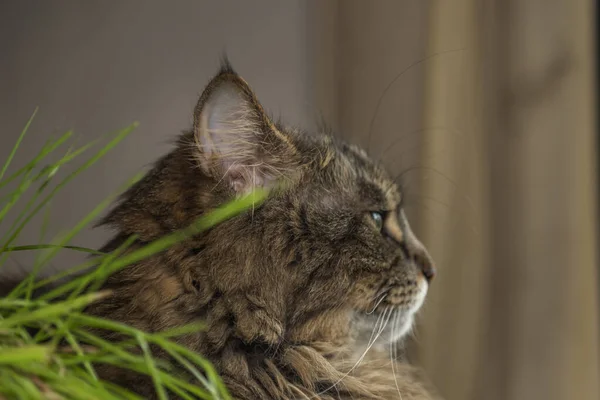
(58, 361)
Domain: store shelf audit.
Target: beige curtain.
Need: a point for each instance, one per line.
(499, 122)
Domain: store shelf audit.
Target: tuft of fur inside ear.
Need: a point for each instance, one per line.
(237, 142)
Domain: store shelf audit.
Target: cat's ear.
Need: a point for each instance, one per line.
(237, 142)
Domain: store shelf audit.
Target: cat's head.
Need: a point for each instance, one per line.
(330, 248)
(342, 240)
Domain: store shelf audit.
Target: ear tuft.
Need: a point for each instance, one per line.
(226, 66)
(237, 141)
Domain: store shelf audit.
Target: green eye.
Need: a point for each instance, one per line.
(377, 219)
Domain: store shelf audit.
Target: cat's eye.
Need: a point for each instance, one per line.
(377, 218)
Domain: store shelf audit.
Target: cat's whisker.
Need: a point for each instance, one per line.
(376, 328)
(383, 296)
(396, 344)
(413, 334)
(387, 313)
(380, 319)
(393, 350)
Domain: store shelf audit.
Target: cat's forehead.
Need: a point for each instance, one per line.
(362, 170)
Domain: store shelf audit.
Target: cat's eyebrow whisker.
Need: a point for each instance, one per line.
(457, 133)
(455, 186)
(432, 199)
(391, 84)
(438, 172)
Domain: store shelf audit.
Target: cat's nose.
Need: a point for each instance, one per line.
(416, 251)
(425, 263)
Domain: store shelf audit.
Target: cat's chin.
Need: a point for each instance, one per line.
(370, 328)
(373, 338)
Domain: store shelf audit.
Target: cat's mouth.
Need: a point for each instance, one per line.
(408, 297)
(394, 307)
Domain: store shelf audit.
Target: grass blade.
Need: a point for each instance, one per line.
(158, 385)
(17, 144)
(51, 246)
(24, 354)
(51, 311)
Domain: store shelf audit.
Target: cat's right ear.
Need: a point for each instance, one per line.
(237, 142)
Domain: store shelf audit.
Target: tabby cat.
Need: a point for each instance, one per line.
(293, 291)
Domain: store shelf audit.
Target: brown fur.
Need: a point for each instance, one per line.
(288, 290)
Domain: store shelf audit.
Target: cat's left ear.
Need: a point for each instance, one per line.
(237, 141)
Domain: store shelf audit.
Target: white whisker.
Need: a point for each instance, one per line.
(385, 317)
(383, 296)
(379, 319)
(393, 351)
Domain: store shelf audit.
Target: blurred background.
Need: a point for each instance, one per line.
(488, 109)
